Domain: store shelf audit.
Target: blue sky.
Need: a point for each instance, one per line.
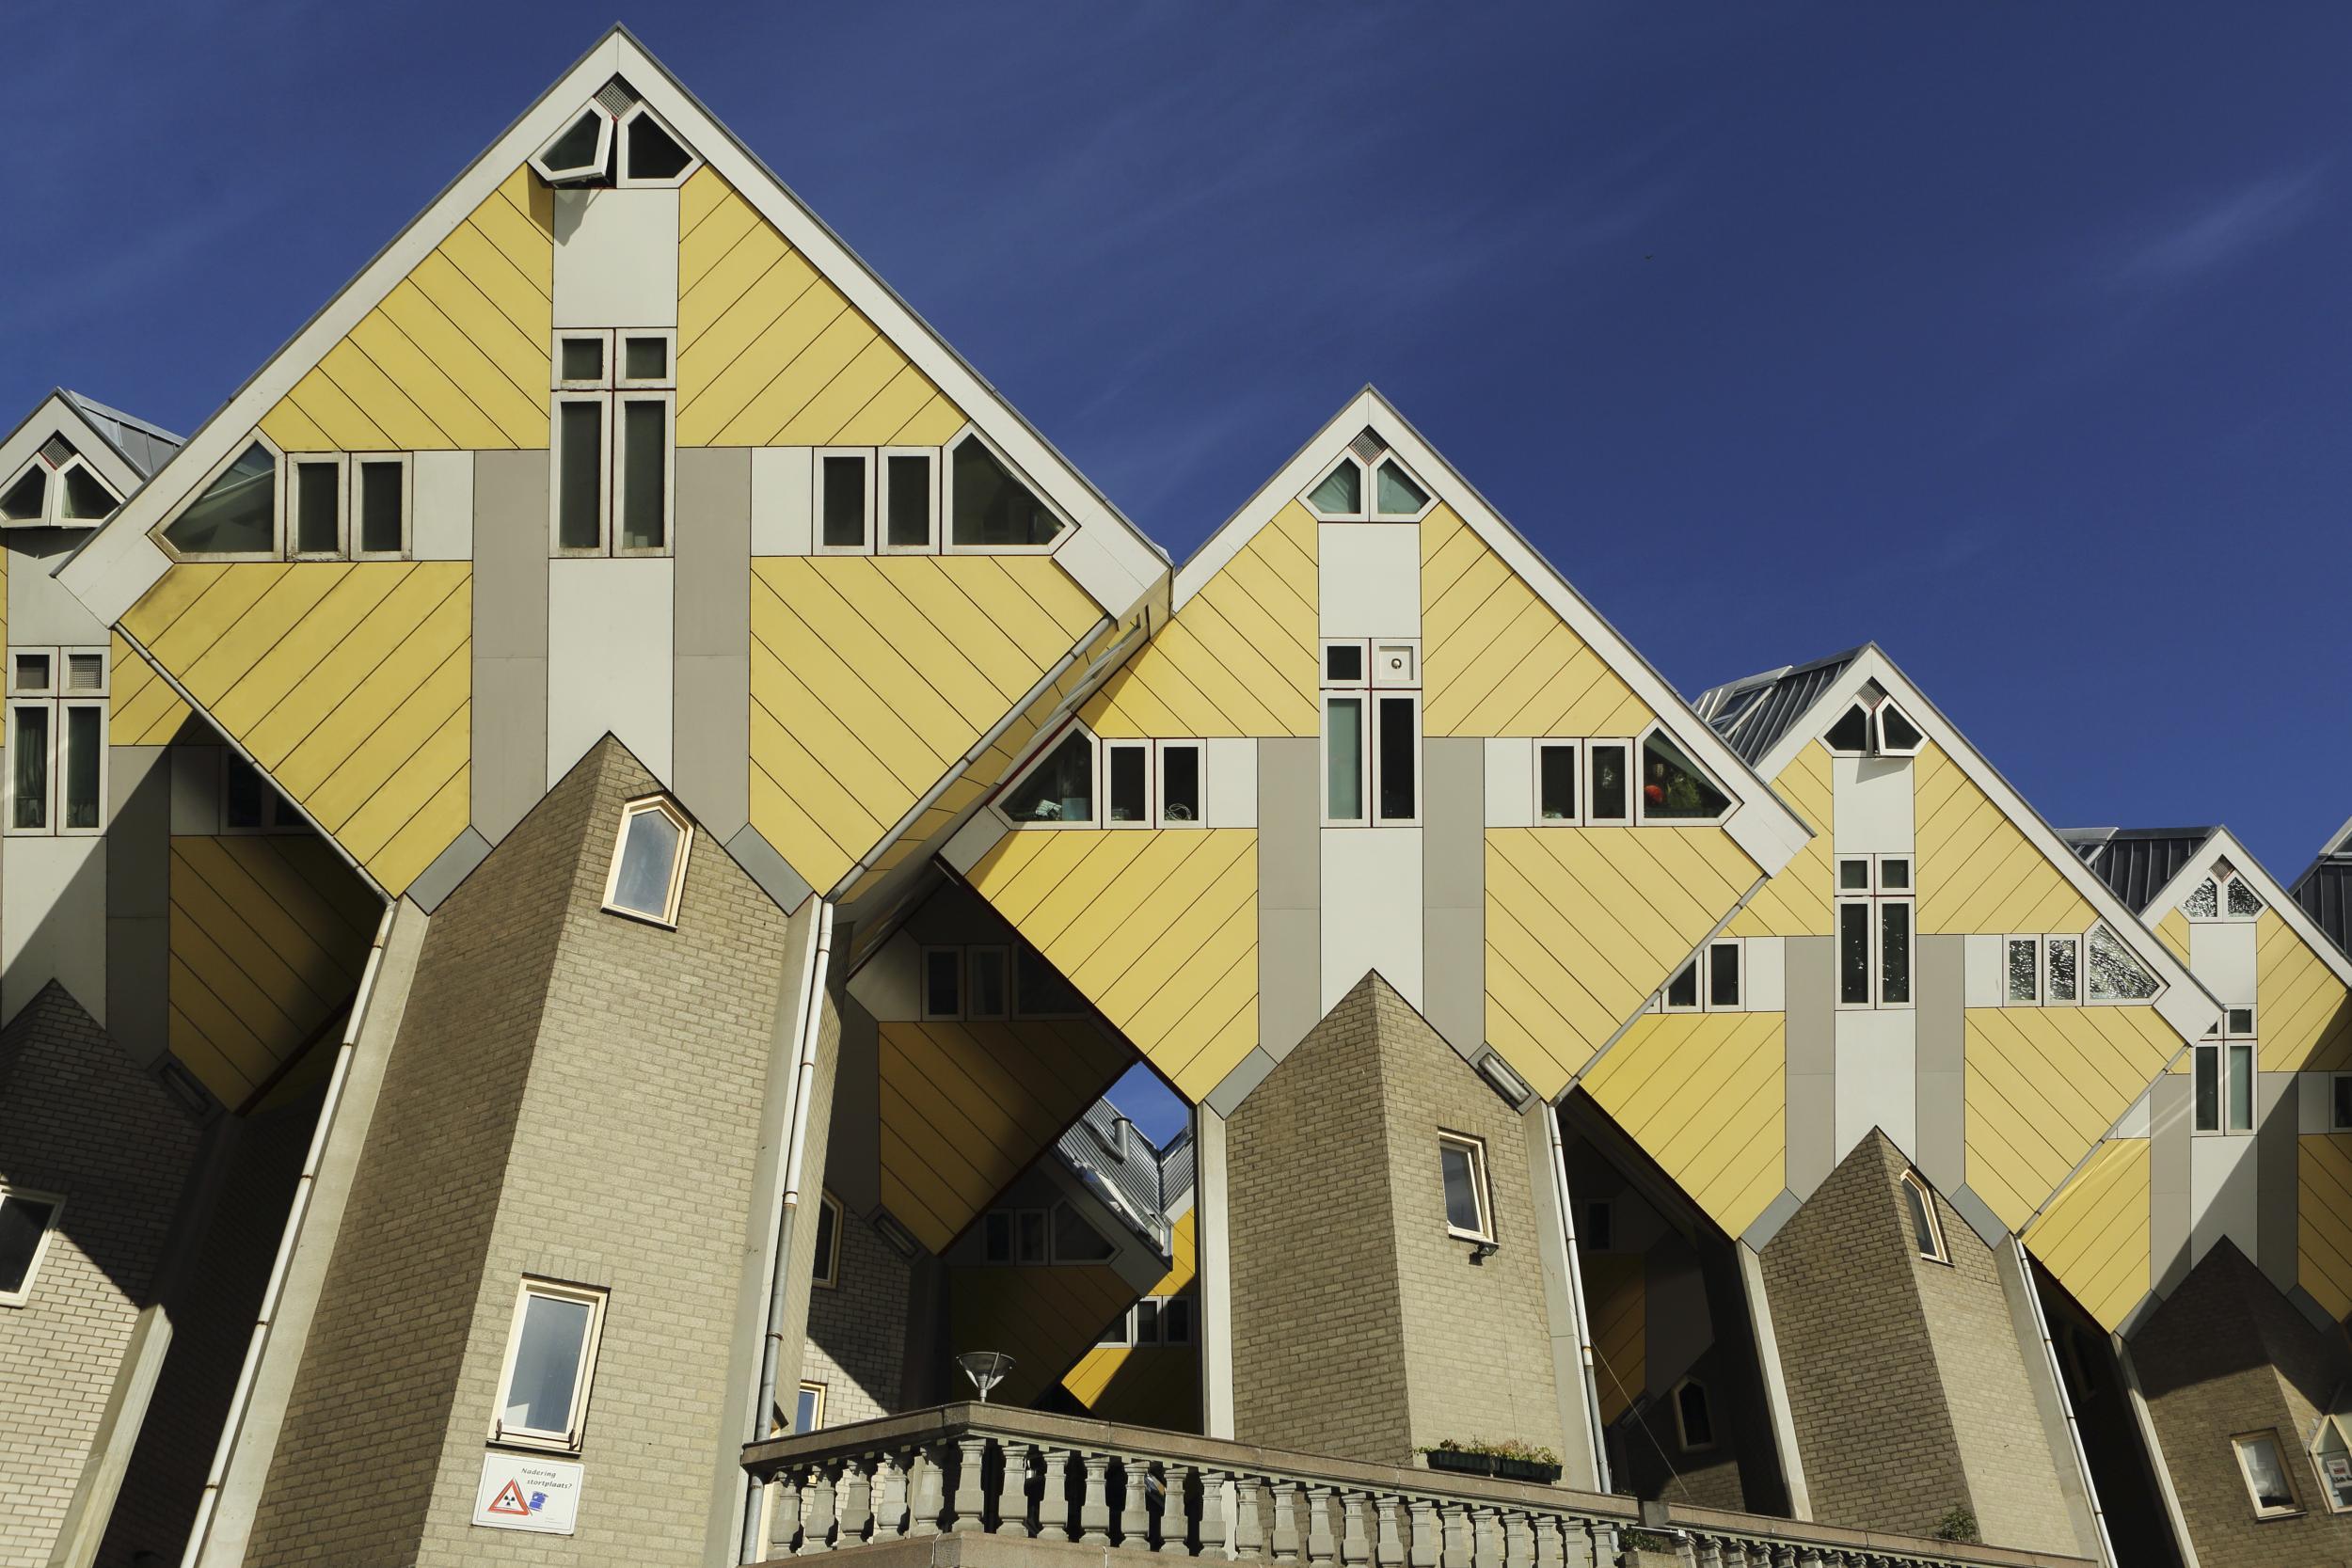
(2016, 338)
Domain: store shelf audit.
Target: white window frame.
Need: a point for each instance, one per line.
(864, 457)
(1406, 649)
(358, 463)
(1481, 1189)
(973, 956)
(583, 1374)
(602, 381)
(630, 810)
(58, 698)
(825, 1273)
(2049, 998)
(2225, 1040)
(1107, 750)
(1925, 1194)
(1632, 776)
(1376, 770)
(2312, 1451)
(880, 484)
(1363, 491)
(1036, 759)
(339, 462)
(817, 1419)
(1372, 491)
(1697, 972)
(605, 132)
(1160, 750)
(56, 498)
(1879, 746)
(602, 402)
(1363, 663)
(2083, 983)
(1873, 727)
(617, 356)
(1682, 1431)
(619, 469)
(2238, 1441)
(24, 1293)
(923, 1008)
(196, 493)
(947, 544)
(1737, 947)
(2040, 969)
(1874, 898)
(1638, 799)
(1575, 817)
(2336, 1123)
(1362, 697)
(622, 179)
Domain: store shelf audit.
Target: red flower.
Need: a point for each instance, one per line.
(1657, 796)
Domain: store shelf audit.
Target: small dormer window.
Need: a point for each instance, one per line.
(27, 500)
(1674, 787)
(578, 152)
(2115, 975)
(650, 155)
(1851, 732)
(649, 860)
(1342, 492)
(992, 508)
(58, 488)
(1340, 495)
(1874, 725)
(236, 514)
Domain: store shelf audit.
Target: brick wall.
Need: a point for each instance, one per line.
(1360, 1327)
(1864, 1394)
(2225, 1354)
(857, 1331)
(76, 1119)
(1319, 1359)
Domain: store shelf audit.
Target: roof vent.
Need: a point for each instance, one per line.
(1368, 444)
(56, 450)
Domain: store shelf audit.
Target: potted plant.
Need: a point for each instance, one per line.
(1508, 1458)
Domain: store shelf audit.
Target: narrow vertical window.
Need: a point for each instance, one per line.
(2063, 956)
(1555, 780)
(2024, 970)
(808, 1407)
(943, 982)
(909, 501)
(25, 1222)
(85, 751)
(382, 505)
(1694, 1423)
(1343, 759)
(1682, 990)
(2341, 1087)
(988, 991)
(1722, 974)
(2241, 1086)
(2208, 1088)
(318, 499)
(1399, 757)
(1895, 952)
(1853, 954)
(1462, 1163)
(649, 861)
(644, 486)
(828, 1267)
(1128, 766)
(2267, 1481)
(1611, 800)
(579, 475)
(1179, 782)
(1927, 1233)
(28, 767)
(842, 502)
(550, 1360)
(1147, 1321)
(1030, 1229)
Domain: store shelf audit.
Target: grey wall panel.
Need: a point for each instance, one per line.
(1942, 1027)
(1290, 892)
(509, 637)
(2169, 1135)
(41, 612)
(138, 901)
(711, 764)
(450, 867)
(1812, 1063)
(2276, 1111)
(711, 706)
(1454, 890)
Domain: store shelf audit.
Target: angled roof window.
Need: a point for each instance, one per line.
(1342, 492)
(26, 501)
(1851, 732)
(650, 154)
(1898, 736)
(579, 151)
(1060, 788)
(2114, 974)
(86, 498)
(1394, 494)
(991, 506)
(236, 514)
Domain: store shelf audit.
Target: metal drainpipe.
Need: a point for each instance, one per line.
(210, 1499)
(2058, 1379)
(1576, 1295)
(812, 1006)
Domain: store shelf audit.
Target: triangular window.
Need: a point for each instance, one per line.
(1060, 788)
(2242, 900)
(237, 513)
(991, 506)
(651, 155)
(1674, 789)
(1851, 732)
(2114, 974)
(1396, 493)
(1342, 492)
(2203, 901)
(28, 497)
(1898, 736)
(579, 151)
(87, 500)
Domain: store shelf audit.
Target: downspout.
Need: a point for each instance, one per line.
(304, 1185)
(812, 1006)
(2066, 1403)
(1576, 1295)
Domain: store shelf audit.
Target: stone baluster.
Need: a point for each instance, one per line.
(1487, 1535)
(1134, 1518)
(1457, 1537)
(1053, 1495)
(816, 1515)
(1214, 1539)
(783, 1514)
(1388, 1546)
(852, 1502)
(1322, 1545)
(1250, 1518)
(1012, 1490)
(1285, 1521)
(1355, 1540)
(889, 1491)
(1423, 1553)
(1094, 1506)
(1710, 1552)
(1519, 1540)
(1175, 1505)
(970, 1501)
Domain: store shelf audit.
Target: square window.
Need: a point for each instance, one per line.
(580, 360)
(645, 358)
(550, 1363)
(1894, 874)
(33, 672)
(1462, 1163)
(85, 674)
(1344, 663)
(1853, 875)
(2241, 1021)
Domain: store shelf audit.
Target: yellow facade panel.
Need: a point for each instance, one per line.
(1705, 1095)
(1799, 900)
(1045, 1319)
(2324, 1220)
(2172, 930)
(2094, 1236)
(1155, 1386)
(2042, 1085)
(143, 709)
(2305, 1017)
(1617, 1305)
(1978, 872)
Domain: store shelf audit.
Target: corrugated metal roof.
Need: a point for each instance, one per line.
(2136, 862)
(1754, 713)
(1112, 1156)
(2325, 891)
(146, 446)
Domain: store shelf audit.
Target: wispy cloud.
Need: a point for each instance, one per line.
(2194, 245)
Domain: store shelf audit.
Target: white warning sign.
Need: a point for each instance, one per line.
(519, 1492)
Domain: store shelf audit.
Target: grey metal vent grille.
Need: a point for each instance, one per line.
(1368, 445)
(617, 98)
(56, 450)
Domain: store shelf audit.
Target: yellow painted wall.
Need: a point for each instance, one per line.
(1582, 924)
(1154, 1385)
(2304, 1017)
(872, 675)
(268, 936)
(1797, 901)
(350, 683)
(1617, 1302)
(769, 352)
(2172, 930)
(2094, 1236)
(1159, 928)
(1978, 872)
(965, 1106)
(1045, 1317)
(142, 708)
(2042, 1085)
(1241, 657)
(1496, 659)
(1705, 1095)
(455, 356)
(2324, 1220)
